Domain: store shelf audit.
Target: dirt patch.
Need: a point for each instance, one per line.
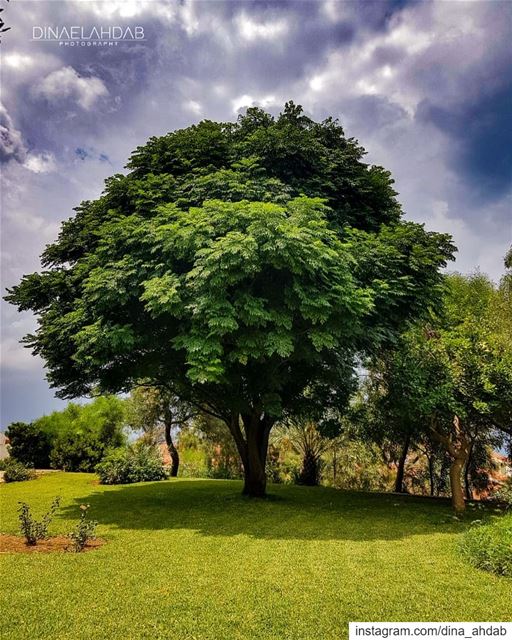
(17, 544)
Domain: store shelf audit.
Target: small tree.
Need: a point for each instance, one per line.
(310, 443)
(154, 410)
(383, 416)
(80, 435)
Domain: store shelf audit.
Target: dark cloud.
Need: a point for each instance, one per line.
(377, 14)
(481, 138)
(372, 113)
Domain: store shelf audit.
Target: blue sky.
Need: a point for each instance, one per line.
(426, 87)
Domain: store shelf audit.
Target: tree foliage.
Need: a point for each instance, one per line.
(451, 379)
(242, 266)
(74, 439)
(158, 414)
(29, 444)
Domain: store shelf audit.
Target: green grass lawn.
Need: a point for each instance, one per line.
(192, 559)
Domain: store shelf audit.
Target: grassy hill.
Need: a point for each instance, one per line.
(192, 559)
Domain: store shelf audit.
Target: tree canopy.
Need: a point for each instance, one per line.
(244, 266)
(450, 378)
(74, 439)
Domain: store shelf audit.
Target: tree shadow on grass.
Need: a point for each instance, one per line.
(216, 508)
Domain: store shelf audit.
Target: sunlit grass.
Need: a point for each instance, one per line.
(192, 559)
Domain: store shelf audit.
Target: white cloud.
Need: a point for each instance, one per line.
(110, 8)
(189, 18)
(16, 357)
(11, 140)
(40, 163)
(67, 83)
(408, 37)
(33, 223)
(193, 107)
(17, 60)
(250, 30)
(12, 146)
(248, 101)
(475, 250)
(335, 10)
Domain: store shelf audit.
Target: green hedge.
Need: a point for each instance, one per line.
(489, 547)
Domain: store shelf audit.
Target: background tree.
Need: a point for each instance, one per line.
(435, 456)
(29, 444)
(74, 439)
(240, 304)
(154, 411)
(305, 438)
(221, 454)
(454, 375)
(382, 413)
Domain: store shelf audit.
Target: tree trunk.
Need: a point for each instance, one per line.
(253, 450)
(467, 479)
(456, 485)
(310, 472)
(458, 446)
(399, 483)
(173, 452)
(255, 481)
(431, 474)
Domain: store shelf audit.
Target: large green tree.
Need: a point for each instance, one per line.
(243, 267)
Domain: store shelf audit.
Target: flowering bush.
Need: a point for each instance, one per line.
(504, 495)
(84, 530)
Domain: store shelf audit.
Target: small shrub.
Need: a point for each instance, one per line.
(113, 468)
(138, 463)
(279, 470)
(489, 547)
(32, 529)
(3, 463)
(84, 530)
(15, 471)
(193, 469)
(222, 463)
(192, 459)
(217, 470)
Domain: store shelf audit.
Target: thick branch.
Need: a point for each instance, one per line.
(236, 432)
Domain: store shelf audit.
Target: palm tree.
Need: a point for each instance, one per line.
(305, 439)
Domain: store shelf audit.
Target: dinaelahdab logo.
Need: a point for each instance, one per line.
(80, 36)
